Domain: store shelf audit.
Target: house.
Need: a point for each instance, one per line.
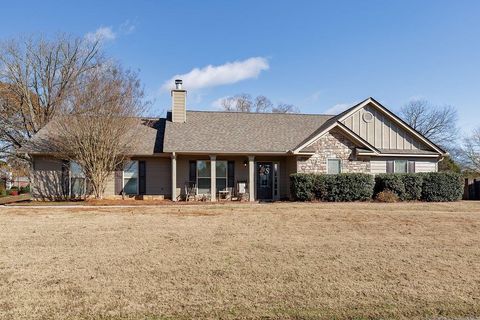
(217, 151)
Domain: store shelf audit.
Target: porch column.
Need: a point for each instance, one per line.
(174, 177)
(251, 178)
(213, 177)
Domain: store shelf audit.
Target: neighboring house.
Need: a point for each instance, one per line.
(216, 150)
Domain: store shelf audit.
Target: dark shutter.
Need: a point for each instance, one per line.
(118, 179)
(390, 167)
(142, 177)
(65, 178)
(192, 176)
(411, 166)
(231, 174)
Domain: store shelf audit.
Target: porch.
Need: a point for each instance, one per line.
(216, 177)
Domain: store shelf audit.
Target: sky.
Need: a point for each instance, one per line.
(321, 56)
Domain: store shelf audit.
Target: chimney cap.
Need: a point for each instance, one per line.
(178, 84)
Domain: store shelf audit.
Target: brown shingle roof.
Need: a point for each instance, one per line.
(148, 136)
(208, 131)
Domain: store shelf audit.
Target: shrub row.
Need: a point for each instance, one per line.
(432, 186)
(335, 187)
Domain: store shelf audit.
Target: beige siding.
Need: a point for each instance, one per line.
(382, 132)
(426, 166)
(378, 166)
(47, 178)
(110, 185)
(159, 176)
(179, 100)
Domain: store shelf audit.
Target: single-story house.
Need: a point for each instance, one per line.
(223, 151)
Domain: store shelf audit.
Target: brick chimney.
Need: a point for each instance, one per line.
(179, 103)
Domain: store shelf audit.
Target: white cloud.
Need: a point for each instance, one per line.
(336, 109)
(217, 104)
(104, 34)
(127, 27)
(101, 34)
(212, 76)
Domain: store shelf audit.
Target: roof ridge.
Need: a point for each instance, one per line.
(268, 113)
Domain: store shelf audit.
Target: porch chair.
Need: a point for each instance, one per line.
(242, 191)
(190, 191)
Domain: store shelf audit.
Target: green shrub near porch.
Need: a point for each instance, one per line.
(334, 187)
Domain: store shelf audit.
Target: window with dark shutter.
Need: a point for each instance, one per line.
(411, 166)
(390, 166)
(119, 180)
(192, 177)
(231, 174)
(142, 177)
(65, 177)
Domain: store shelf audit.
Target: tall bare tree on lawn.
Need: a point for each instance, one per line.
(36, 77)
(99, 123)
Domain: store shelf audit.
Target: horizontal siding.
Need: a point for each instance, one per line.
(378, 166)
(425, 166)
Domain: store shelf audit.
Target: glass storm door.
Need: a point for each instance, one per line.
(265, 180)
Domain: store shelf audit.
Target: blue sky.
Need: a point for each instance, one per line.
(318, 55)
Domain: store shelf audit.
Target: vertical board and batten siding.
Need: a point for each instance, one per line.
(382, 132)
(423, 165)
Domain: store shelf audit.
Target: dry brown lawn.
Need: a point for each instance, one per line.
(285, 260)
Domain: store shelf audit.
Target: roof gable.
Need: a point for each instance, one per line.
(384, 131)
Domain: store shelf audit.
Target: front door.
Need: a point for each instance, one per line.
(265, 180)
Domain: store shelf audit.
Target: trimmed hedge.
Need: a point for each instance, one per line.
(334, 187)
(302, 186)
(433, 186)
(407, 186)
(442, 186)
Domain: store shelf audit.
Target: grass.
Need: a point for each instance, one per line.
(269, 261)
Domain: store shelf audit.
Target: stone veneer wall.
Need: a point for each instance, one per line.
(332, 145)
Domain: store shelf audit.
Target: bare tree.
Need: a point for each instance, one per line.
(438, 124)
(100, 123)
(285, 108)
(263, 104)
(470, 152)
(36, 77)
(244, 103)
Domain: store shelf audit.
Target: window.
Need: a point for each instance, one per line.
(221, 173)
(130, 177)
(203, 176)
(400, 166)
(77, 180)
(204, 179)
(333, 166)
